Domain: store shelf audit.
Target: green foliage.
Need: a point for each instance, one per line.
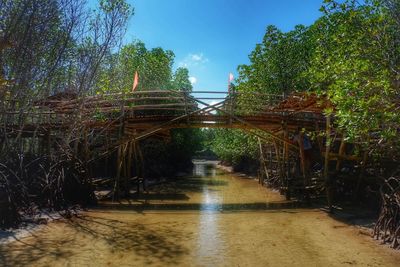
(153, 66)
(166, 158)
(181, 80)
(233, 145)
(278, 63)
(356, 63)
(351, 55)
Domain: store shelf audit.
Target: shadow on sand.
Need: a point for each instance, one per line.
(160, 243)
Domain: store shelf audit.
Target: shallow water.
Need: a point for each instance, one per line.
(209, 219)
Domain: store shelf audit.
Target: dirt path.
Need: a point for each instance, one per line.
(215, 220)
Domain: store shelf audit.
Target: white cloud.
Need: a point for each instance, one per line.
(193, 80)
(196, 57)
(192, 60)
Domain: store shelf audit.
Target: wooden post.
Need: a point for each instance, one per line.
(362, 172)
(118, 174)
(328, 182)
(279, 160)
(342, 150)
(139, 171)
(120, 156)
(302, 159)
(142, 166)
(129, 168)
(319, 138)
(86, 153)
(106, 163)
(124, 162)
(48, 143)
(286, 146)
(263, 165)
(287, 160)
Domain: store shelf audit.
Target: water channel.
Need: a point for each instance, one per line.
(210, 218)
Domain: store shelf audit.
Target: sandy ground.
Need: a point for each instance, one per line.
(214, 220)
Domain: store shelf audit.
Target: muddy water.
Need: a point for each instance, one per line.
(210, 219)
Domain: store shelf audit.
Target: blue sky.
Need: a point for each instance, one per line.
(212, 37)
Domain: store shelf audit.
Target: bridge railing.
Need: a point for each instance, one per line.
(140, 104)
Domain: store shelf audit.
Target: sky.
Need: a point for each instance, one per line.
(212, 37)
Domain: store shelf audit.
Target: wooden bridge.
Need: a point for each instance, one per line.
(101, 125)
(145, 113)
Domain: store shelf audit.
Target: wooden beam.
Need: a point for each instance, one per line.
(270, 134)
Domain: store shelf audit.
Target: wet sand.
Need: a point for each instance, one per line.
(211, 219)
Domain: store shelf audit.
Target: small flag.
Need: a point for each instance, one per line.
(230, 79)
(135, 81)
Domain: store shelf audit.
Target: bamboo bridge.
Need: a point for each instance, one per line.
(100, 125)
(145, 113)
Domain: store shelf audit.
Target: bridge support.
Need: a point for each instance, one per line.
(328, 180)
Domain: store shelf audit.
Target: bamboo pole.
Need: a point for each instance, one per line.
(286, 158)
(129, 168)
(328, 182)
(116, 188)
(302, 158)
(86, 153)
(362, 172)
(120, 156)
(279, 161)
(138, 174)
(142, 167)
(263, 165)
(342, 150)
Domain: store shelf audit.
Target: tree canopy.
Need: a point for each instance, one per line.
(349, 55)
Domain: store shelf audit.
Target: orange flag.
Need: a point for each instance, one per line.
(135, 81)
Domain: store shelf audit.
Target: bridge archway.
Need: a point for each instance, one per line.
(114, 123)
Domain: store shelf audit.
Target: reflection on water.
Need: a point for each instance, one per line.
(203, 168)
(208, 219)
(210, 244)
(199, 170)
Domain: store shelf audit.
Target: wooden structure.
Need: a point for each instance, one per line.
(108, 124)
